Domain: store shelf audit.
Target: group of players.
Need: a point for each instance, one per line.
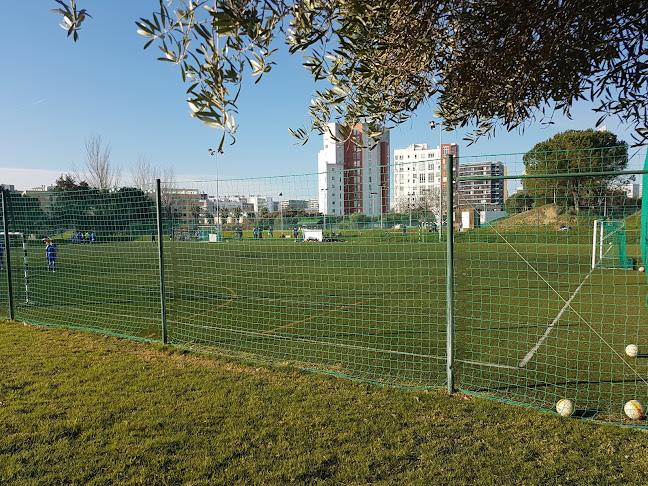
(82, 237)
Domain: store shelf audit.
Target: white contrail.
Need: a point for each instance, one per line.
(37, 102)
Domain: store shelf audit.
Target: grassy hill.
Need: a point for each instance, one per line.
(549, 215)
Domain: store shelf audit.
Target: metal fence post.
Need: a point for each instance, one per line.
(26, 263)
(450, 272)
(158, 205)
(5, 227)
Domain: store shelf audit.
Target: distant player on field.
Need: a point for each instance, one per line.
(50, 252)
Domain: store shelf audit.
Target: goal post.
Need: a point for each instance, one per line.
(7, 244)
(609, 245)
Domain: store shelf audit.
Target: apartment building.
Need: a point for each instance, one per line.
(354, 173)
(421, 174)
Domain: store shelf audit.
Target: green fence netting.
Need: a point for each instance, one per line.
(543, 306)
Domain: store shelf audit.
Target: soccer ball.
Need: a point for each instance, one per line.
(565, 407)
(634, 409)
(632, 350)
(642, 269)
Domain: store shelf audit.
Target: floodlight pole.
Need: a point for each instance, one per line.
(382, 190)
(450, 278)
(158, 201)
(325, 206)
(441, 180)
(5, 227)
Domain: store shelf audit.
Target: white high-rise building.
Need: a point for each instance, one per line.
(354, 174)
(420, 174)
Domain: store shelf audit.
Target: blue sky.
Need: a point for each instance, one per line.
(54, 93)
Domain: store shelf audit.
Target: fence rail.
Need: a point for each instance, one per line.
(529, 308)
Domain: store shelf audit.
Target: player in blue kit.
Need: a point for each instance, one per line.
(50, 252)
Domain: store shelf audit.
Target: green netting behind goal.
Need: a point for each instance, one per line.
(644, 222)
(609, 245)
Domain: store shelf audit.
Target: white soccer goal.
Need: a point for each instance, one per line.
(609, 245)
(21, 237)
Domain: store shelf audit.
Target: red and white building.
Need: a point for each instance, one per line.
(353, 174)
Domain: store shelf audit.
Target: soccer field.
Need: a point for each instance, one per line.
(533, 322)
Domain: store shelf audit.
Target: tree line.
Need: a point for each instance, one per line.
(78, 207)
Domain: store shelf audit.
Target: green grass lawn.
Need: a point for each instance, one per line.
(81, 408)
(373, 308)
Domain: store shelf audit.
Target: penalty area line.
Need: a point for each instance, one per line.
(490, 365)
(535, 348)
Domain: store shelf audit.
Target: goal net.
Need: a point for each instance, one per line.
(609, 245)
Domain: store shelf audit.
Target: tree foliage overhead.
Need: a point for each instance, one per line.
(582, 152)
(493, 63)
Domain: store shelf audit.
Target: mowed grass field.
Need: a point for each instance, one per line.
(79, 408)
(373, 308)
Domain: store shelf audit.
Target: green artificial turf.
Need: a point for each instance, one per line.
(373, 308)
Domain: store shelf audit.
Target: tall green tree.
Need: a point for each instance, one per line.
(586, 152)
(494, 63)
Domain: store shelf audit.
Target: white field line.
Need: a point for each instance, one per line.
(491, 365)
(535, 348)
(591, 328)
